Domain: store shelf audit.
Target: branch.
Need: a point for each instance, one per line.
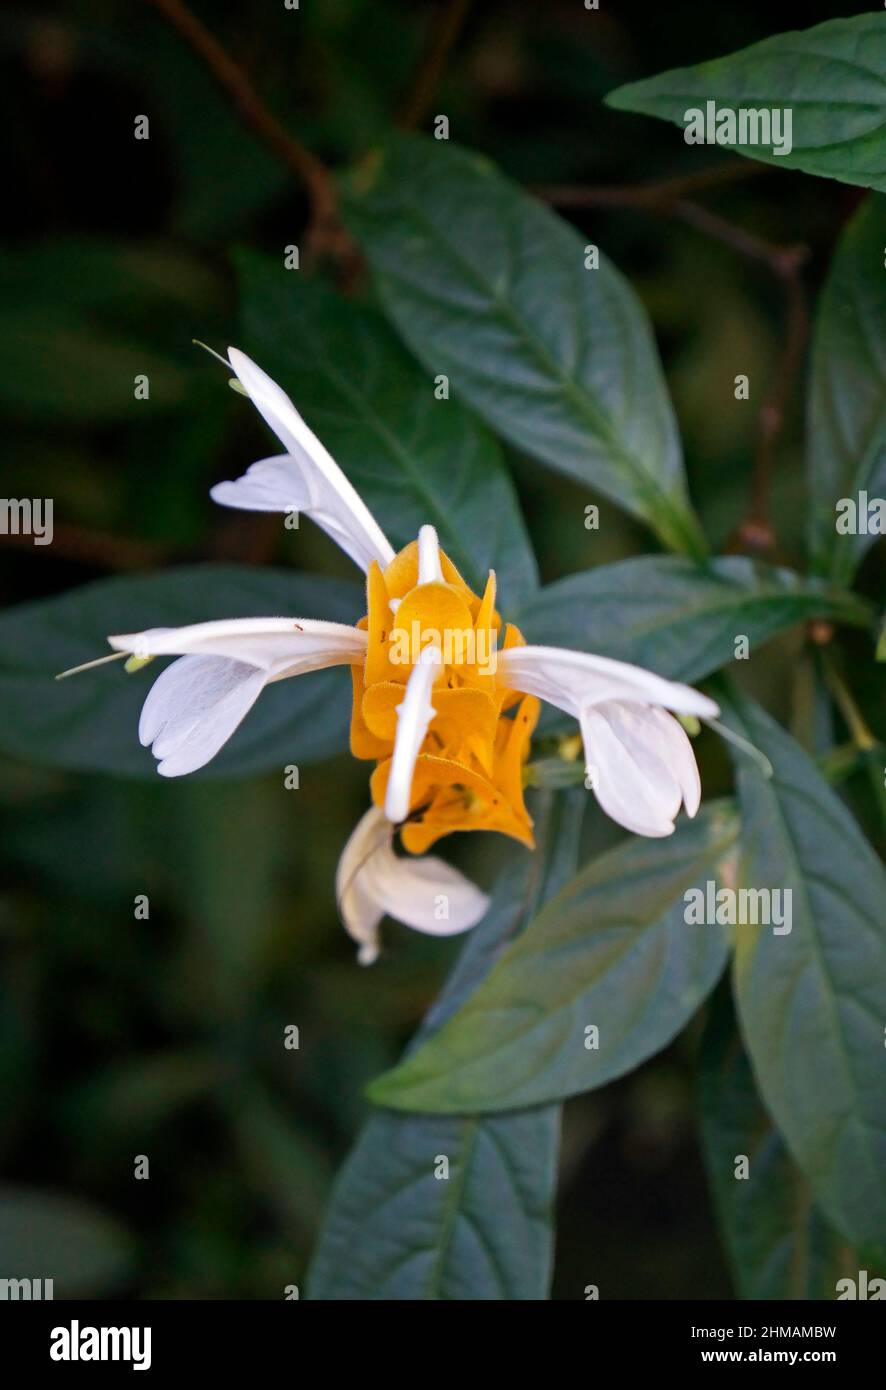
(308, 169)
(97, 549)
(416, 106)
(658, 195)
(756, 531)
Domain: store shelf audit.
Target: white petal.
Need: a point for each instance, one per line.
(638, 770)
(360, 909)
(575, 680)
(429, 568)
(414, 714)
(194, 707)
(329, 499)
(272, 485)
(681, 758)
(279, 646)
(423, 893)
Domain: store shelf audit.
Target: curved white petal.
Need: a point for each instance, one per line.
(573, 681)
(641, 771)
(272, 485)
(193, 708)
(414, 714)
(681, 758)
(195, 705)
(278, 646)
(308, 470)
(424, 893)
(429, 568)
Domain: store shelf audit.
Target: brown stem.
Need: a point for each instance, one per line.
(416, 106)
(325, 226)
(756, 531)
(95, 548)
(658, 194)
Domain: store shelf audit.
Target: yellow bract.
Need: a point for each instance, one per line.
(468, 775)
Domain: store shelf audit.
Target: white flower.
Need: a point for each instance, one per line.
(642, 763)
(196, 704)
(639, 758)
(425, 893)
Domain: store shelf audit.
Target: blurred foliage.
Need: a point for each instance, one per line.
(163, 1037)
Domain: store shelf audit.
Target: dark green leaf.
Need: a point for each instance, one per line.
(831, 78)
(412, 458)
(779, 1244)
(811, 1000)
(89, 722)
(847, 393)
(613, 950)
(676, 617)
(395, 1231)
(489, 288)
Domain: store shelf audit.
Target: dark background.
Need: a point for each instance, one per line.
(121, 1037)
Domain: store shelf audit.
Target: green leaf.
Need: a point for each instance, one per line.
(90, 722)
(412, 458)
(831, 78)
(48, 1235)
(612, 950)
(811, 1001)
(394, 1230)
(847, 393)
(779, 1244)
(490, 289)
(679, 618)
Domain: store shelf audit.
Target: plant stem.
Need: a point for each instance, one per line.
(325, 224)
(416, 106)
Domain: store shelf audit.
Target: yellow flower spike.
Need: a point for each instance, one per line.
(447, 796)
(513, 638)
(378, 622)
(465, 720)
(401, 575)
(486, 629)
(364, 743)
(513, 738)
(432, 614)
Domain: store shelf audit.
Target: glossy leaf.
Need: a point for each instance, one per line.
(395, 1230)
(847, 395)
(810, 1000)
(90, 721)
(831, 78)
(679, 618)
(779, 1244)
(490, 288)
(412, 458)
(612, 951)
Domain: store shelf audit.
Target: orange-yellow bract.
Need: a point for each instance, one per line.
(468, 775)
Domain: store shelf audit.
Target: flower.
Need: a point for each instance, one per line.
(445, 696)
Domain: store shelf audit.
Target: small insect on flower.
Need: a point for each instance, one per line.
(445, 696)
